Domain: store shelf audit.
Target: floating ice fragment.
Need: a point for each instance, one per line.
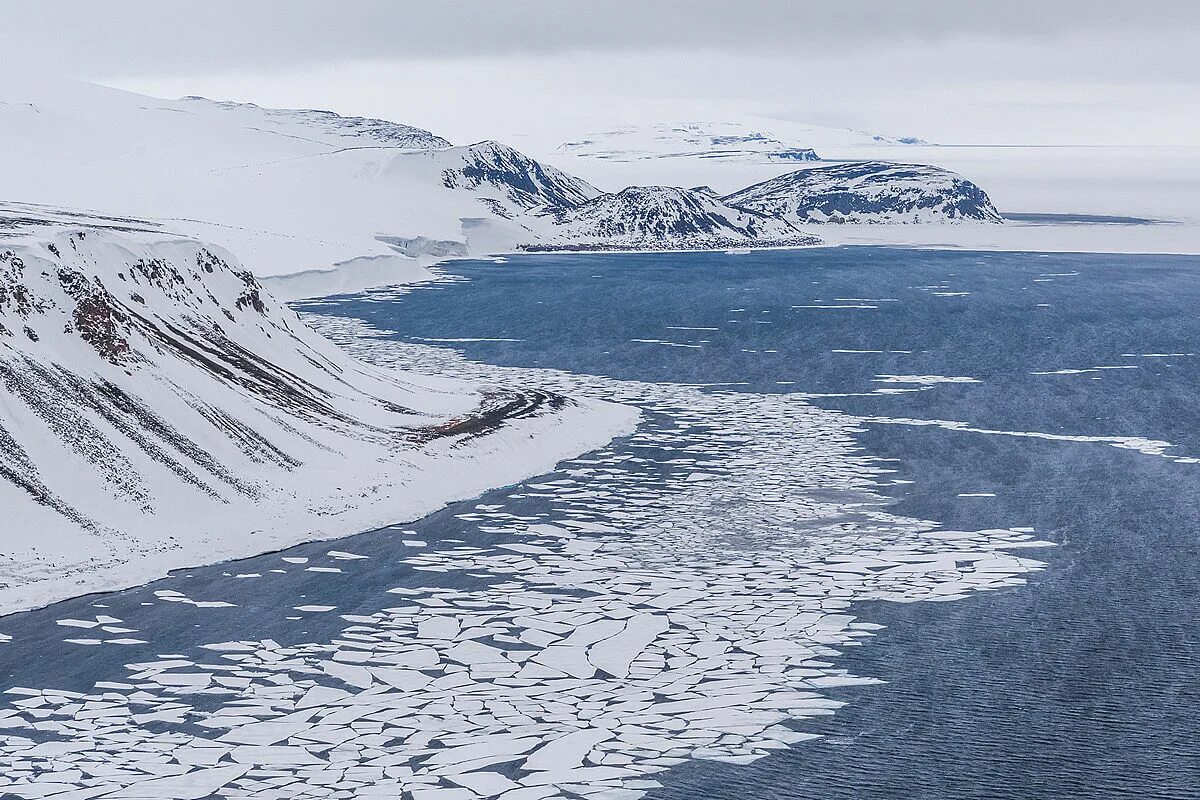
(190, 786)
(924, 380)
(568, 751)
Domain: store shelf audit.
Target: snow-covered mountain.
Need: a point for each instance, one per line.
(289, 191)
(159, 408)
(663, 217)
(869, 192)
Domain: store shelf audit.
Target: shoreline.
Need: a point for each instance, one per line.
(1164, 237)
(498, 458)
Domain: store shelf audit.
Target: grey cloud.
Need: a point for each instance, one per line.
(129, 38)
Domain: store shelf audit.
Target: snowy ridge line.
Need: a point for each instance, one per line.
(161, 410)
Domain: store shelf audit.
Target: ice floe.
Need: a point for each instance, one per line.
(686, 603)
(681, 594)
(1150, 447)
(925, 380)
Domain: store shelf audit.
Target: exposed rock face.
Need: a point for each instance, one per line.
(664, 217)
(869, 192)
(528, 184)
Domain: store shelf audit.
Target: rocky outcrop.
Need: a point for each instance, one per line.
(664, 218)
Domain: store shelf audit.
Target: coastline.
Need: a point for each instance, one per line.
(1161, 237)
(441, 474)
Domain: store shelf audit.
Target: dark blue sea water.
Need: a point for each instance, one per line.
(1083, 684)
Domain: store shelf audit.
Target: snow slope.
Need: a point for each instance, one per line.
(524, 182)
(160, 409)
(869, 192)
(752, 140)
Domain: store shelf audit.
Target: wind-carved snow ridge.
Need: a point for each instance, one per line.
(869, 192)
(158, 409)
(681, 595)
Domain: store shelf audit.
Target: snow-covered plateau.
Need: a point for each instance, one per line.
(161, 410)
(752, 141)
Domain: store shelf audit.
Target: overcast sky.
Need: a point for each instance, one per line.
(1061, 71)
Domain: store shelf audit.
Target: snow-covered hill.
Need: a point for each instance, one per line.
(869, 192)
(663, 217)
(160, 409)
